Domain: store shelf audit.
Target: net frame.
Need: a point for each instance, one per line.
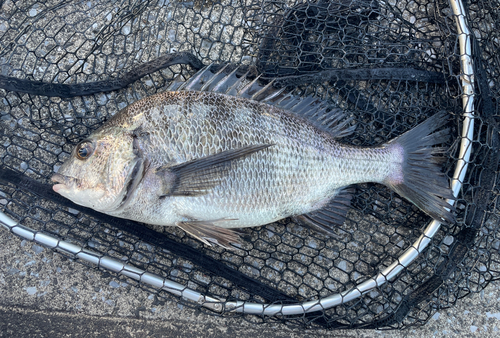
(467, 79)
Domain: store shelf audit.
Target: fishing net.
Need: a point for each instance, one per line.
(67, 66)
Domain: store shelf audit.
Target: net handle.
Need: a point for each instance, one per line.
(219, 305)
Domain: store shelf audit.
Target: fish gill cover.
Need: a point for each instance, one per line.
(68, 66)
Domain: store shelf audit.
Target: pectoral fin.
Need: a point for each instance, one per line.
(198, 176)
(209, 233)
(332, 215)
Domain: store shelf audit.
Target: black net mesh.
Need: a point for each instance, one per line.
(67, 66)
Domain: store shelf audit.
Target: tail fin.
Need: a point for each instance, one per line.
(421, 180)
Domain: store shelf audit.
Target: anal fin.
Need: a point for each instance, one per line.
(332, 215)
(209, 233)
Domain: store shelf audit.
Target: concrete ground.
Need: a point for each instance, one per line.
(44, 294)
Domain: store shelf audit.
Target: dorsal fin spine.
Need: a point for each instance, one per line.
(261, 91)
(206, 86)
(219, 85)
(189, 84)
(274, 94)
(280, 103)
(176, 83)
(233, 90)
(303, 104)
(248, 86)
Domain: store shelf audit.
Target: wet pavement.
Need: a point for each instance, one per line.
(43, 293)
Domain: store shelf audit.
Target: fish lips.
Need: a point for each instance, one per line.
(63, 182)
(70, 187)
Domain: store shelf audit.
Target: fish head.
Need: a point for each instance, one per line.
(100, 170)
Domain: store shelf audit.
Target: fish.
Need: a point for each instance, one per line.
(219, 152)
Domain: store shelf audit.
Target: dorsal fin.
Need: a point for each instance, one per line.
(227, 82)
(233, 90)
(177, 82)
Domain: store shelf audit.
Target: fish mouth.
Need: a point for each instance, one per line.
(63, 182)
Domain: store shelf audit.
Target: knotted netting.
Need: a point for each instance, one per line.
(68, 66)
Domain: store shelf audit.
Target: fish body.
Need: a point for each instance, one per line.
(208, 161)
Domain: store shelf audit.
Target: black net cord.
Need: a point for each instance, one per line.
(62, 90)
(82, 89)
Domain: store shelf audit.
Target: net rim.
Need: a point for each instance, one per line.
(218, 305)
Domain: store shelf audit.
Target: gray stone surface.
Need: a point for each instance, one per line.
(42, 294)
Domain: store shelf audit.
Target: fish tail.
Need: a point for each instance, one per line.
(419, 178)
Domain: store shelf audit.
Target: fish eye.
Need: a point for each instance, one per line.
(84, 149)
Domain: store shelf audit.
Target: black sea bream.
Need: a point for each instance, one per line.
(214, 155)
